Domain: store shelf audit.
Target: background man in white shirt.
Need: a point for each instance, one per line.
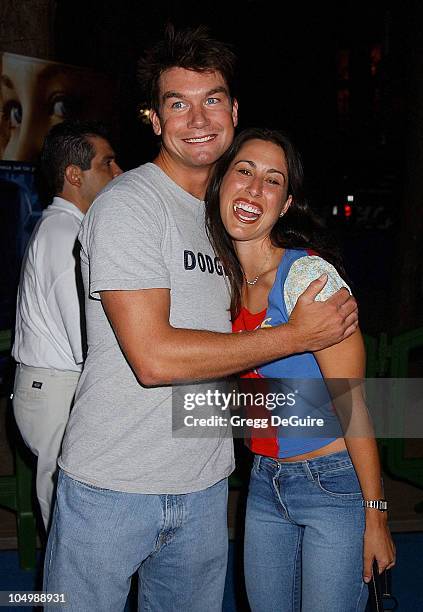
(77, 162)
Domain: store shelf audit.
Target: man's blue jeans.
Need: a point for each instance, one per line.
(304, 536)
(99, 538)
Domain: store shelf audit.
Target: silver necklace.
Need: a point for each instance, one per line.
(251, 282)
(255, 279)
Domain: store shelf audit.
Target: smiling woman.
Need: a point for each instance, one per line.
(255, 204)
(36, 94)
(309, 543)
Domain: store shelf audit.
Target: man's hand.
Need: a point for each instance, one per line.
(318, 325)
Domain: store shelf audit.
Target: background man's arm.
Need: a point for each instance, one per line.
(161, 354)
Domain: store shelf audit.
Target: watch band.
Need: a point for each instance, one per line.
(378, 504)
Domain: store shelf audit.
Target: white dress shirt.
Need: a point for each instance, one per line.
(48, 326)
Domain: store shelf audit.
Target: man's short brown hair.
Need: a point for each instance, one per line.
(192, 49)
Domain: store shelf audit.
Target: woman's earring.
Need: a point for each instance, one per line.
(282, 214)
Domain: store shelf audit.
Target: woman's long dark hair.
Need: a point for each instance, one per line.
(299, 228)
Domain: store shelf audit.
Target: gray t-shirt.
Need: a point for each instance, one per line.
(143, 232)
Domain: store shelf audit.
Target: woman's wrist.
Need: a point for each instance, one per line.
(375, 517)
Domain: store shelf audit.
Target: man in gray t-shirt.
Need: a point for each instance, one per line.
(152, 246)
(130, 496)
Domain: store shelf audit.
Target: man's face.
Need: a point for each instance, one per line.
(103, 169)
(196, 119)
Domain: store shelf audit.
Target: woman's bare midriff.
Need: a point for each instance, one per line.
(334, 447)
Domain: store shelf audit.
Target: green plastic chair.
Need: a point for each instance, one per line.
(16, 492)
(409, 469)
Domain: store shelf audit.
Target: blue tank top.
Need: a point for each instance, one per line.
(299, 378)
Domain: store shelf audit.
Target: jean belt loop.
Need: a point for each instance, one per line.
(257, 462)
(307, 470)
(278, 468)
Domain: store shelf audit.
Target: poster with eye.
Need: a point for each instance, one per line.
(35, 94)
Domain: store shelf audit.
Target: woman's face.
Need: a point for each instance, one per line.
(254, 191)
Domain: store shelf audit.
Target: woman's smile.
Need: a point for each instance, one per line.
(246, 211)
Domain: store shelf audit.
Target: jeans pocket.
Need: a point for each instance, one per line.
(340, 483)
(87, 486)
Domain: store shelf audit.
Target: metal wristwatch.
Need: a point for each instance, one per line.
(377, 504)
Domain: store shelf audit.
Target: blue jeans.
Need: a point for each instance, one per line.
(304, 536)
(99, 538)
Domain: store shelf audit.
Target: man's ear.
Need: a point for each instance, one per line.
(235, 112)
(73, 175)
(155, 122)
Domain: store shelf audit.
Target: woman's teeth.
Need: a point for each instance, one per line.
(249, 211)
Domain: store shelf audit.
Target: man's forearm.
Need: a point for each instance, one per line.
(161, 354)
(188, 355)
